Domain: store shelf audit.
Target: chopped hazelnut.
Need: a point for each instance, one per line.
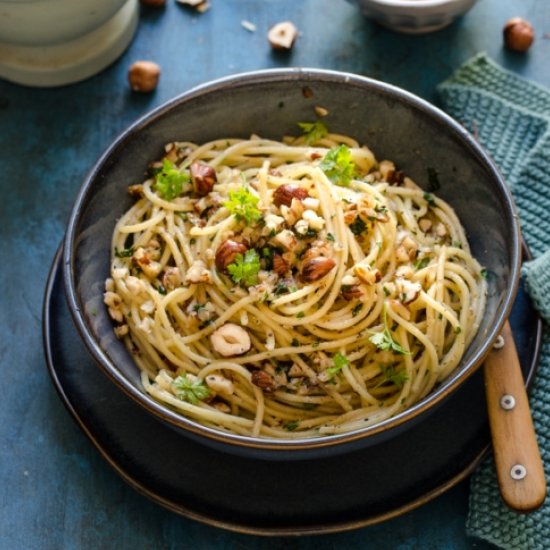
(227, 252)
(282, 35)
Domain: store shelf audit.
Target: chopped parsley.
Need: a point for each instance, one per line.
(300, 315)
(421, 264)
(244, 269)
(191, 390)
(292, 425)
(356, 309)
(393, 375)
(428, 197)
(358, 226)
(483, 273)
(244, 206)
(338, 165)
(125, 252)
(330, 237)
(281, 288)
(384, 340)
(161, 289)
(313, 131)
(339, 361)
(169, 181)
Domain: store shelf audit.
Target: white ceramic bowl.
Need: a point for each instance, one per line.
(54, 42)
(414, 16)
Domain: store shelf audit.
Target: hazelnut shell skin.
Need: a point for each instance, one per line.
(143, 76)
(518, 35)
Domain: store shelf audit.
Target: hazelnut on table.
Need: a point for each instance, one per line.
(282, 35)
(518, 34)
(143, 76)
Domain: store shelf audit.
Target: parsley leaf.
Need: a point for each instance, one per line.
(313, 131)
(245, 269)
(391, 374)
(125, 252)
(243, 205)
(384, 340)
(338, 165)
(191, 390)
(169, 181)
(339, 361)
(421, 264)
(358, 226)
(292, 425)
(429, 198)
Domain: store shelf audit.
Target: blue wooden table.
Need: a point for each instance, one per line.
(56, 490)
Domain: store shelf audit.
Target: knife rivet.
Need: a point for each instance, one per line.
(507, 402)
(518, 471)
(499, 342)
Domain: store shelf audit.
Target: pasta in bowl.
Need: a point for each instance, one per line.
(288, 294)
(290, 289)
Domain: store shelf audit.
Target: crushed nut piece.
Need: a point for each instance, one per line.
(282, 35)
(230, 340)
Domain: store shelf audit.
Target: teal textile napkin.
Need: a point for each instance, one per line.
(511, 118)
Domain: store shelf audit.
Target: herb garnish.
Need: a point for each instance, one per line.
(243, 205)
(292, 425)
(428, 197)
(384, 340)
(391, 374)
(169, 181)
(339, 361)
(358, 226)
(191, 390)
(313, 131)
(244, 269)
(421, 264)
(338, 165)
(125, 252)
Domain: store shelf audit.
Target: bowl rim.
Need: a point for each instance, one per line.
(412, 4)
(304, 76)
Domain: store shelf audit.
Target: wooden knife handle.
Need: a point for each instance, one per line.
(518, 463)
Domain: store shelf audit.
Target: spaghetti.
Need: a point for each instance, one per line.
(290, 289)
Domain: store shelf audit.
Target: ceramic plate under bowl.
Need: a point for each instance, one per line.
(260, 496)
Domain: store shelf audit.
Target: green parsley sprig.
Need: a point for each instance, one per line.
(170, 180)
(313, 131)
(384, 340)
(339, 361)
(245, 269)
(398, 377)
(338, 165)
(244, 205)
(189, 389)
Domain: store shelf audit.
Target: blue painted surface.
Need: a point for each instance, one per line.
(56, 490)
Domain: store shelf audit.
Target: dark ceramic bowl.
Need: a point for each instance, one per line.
(393, 123)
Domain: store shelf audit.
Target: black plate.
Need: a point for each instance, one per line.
(262, 497)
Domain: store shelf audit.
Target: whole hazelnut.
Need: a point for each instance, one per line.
(518, 34)
(143, 76)
(153, 3)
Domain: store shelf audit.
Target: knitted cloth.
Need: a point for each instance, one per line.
(511, 117)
